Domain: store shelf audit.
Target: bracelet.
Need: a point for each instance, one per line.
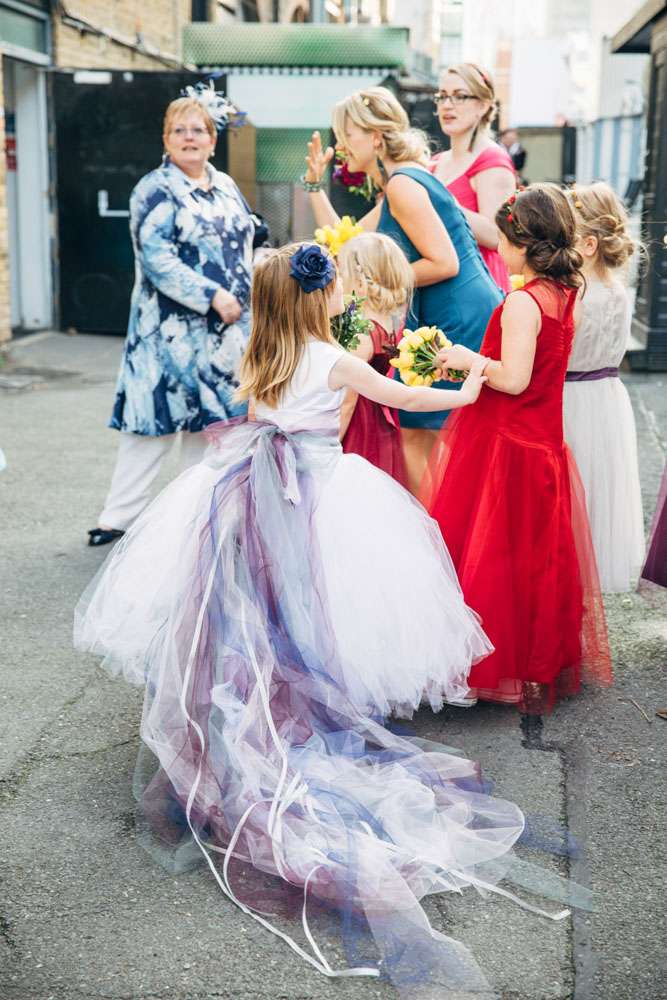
(312, 187)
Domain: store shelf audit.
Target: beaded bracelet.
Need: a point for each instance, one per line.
(312, 187)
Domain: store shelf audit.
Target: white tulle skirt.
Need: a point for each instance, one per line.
(403, 632)
(272, 599)
(600, 430)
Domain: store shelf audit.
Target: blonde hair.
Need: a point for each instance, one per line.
(377, 110)
(375, 266)
(284, 318)
(480, 85)
(600, 213)
(180, 107)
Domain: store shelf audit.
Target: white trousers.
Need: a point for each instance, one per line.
(139, 460)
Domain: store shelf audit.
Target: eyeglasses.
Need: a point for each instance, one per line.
(198, 132)
(455, 99)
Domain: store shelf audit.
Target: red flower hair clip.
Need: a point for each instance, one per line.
(509, 215)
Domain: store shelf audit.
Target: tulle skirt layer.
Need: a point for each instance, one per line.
(241, 639)
(513, 517)
(600, 430)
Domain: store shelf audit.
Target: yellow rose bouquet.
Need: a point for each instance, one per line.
(333, 237)
(417, 359)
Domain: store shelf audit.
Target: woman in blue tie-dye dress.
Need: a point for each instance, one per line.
(192, 233)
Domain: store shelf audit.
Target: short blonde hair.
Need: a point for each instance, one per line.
(480, 85)
(600, 213)
(375, 266)
(377, 110)
(180, 107)
(284, 318)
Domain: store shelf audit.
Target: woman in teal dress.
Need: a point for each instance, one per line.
(453, 288)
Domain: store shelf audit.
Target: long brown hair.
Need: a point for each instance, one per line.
(284, 318)
(542, 220)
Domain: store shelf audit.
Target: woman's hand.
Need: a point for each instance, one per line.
(318, 159)
(226, 305)
(458, 357)
(472, 386)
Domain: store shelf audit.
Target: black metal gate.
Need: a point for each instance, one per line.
(108, 134)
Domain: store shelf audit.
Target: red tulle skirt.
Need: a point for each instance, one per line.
(374, 433)
(513, 516)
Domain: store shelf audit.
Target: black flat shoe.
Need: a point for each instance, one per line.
(102, 536)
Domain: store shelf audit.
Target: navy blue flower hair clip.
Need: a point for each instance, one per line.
(311, 267)
(222, 112)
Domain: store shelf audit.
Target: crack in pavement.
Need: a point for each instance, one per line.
(20, 773)
(6, 934)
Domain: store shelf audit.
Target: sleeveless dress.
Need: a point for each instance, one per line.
(504, 488)
(374, 430)
(466, 196)
(600, 430)
(274, 619)
(460, 306)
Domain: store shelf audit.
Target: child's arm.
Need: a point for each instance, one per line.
(364, 351)
(521, 321)
(351, 373)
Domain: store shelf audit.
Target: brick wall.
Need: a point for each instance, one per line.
(135, 34)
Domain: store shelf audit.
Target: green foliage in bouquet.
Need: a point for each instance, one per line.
(350, 324)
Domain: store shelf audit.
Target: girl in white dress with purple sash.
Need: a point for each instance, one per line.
(259, 602)
(598, 417)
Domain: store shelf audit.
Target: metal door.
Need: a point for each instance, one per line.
(108, 134)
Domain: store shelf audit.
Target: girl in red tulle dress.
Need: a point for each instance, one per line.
(376, 270)
(503, 485)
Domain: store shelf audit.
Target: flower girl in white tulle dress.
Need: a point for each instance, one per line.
(598, 418)
(278, 600)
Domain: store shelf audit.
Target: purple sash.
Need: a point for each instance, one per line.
(593, 376)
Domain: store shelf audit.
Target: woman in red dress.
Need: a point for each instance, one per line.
(376, 270)
(476, 170)
(502, 483)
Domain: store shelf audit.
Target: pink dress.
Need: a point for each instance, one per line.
(466, 196)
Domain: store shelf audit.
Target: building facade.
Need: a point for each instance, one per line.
(91, 43)
(37, 39)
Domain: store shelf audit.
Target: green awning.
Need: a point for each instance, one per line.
(295, 45)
